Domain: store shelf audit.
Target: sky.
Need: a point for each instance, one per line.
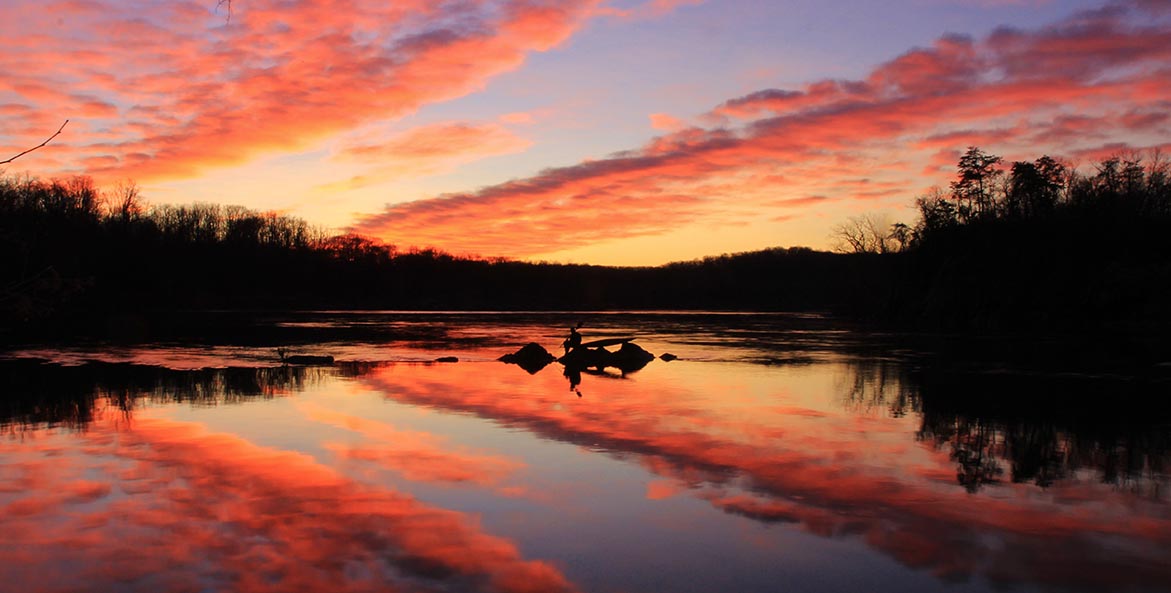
(616, 132)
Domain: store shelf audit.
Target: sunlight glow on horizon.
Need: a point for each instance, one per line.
(630, 132)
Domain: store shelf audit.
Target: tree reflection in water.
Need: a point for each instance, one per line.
(1025, 428)
(815, 468)
(43, 394)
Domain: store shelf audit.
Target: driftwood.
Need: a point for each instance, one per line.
(303, 359)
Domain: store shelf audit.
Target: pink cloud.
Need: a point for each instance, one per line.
(418, 456)
(201, 93)
(648, 9)
(438, 142)
(663, 489)
(667, 122)
(1013, 89)
(223, 513)
(429, 149)
(518, 118)
(799, 202)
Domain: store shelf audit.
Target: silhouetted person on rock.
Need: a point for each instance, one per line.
(573, 341)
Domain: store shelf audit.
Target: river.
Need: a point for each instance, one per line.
(780, 452)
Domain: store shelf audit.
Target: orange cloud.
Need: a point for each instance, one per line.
(1013, 89)
(185, 91)
(663, 121)
(662, 489)
(433, 148)
(225, 514)
(418, 456)
(648, 9)
(518, 118)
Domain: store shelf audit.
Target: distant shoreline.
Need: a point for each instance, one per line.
(1036, 250)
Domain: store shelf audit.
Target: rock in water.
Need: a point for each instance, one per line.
(532, 357)
(303, 359)
(630, 357)
(584, 358)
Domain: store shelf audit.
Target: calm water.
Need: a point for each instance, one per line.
(780, 453)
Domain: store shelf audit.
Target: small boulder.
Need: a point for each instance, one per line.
(303, 359)
(668, 357)
(532, 357)
(630, 357)
(584, 358)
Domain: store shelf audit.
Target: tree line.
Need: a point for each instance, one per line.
(1039, 244)
(1027, 245)
(76, 258)
(986, 192)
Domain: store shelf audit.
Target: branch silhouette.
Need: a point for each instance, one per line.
(41, 145)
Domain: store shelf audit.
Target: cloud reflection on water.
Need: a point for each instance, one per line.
(199, 510)
(418, 456)
(847, 451)
(834, 472)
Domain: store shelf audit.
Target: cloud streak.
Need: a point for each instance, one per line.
(422, 151)
(170, 90)
(1082, 83)
(221, 513)
(818, 470)
(418, 456)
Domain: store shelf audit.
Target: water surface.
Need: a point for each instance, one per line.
(780, 453)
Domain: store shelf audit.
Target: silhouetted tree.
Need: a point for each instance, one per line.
(1034, 188)
(1047, 246)
(973, 189)
(124, 202)
(869, 233)
(1159, 181)
(936, 213)
(902, 235)
(355, 248)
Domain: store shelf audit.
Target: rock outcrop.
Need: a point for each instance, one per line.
(532, 357)
(629, 358)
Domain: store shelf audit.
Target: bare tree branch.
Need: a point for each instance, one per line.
(227, 3)
(870, 233)
(41, 145)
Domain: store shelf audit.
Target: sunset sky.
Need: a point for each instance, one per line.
(610, 132)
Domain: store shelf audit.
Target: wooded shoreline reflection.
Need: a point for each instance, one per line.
(996, 428)
(1038, 480)
(1024, 428)
(39, 394)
